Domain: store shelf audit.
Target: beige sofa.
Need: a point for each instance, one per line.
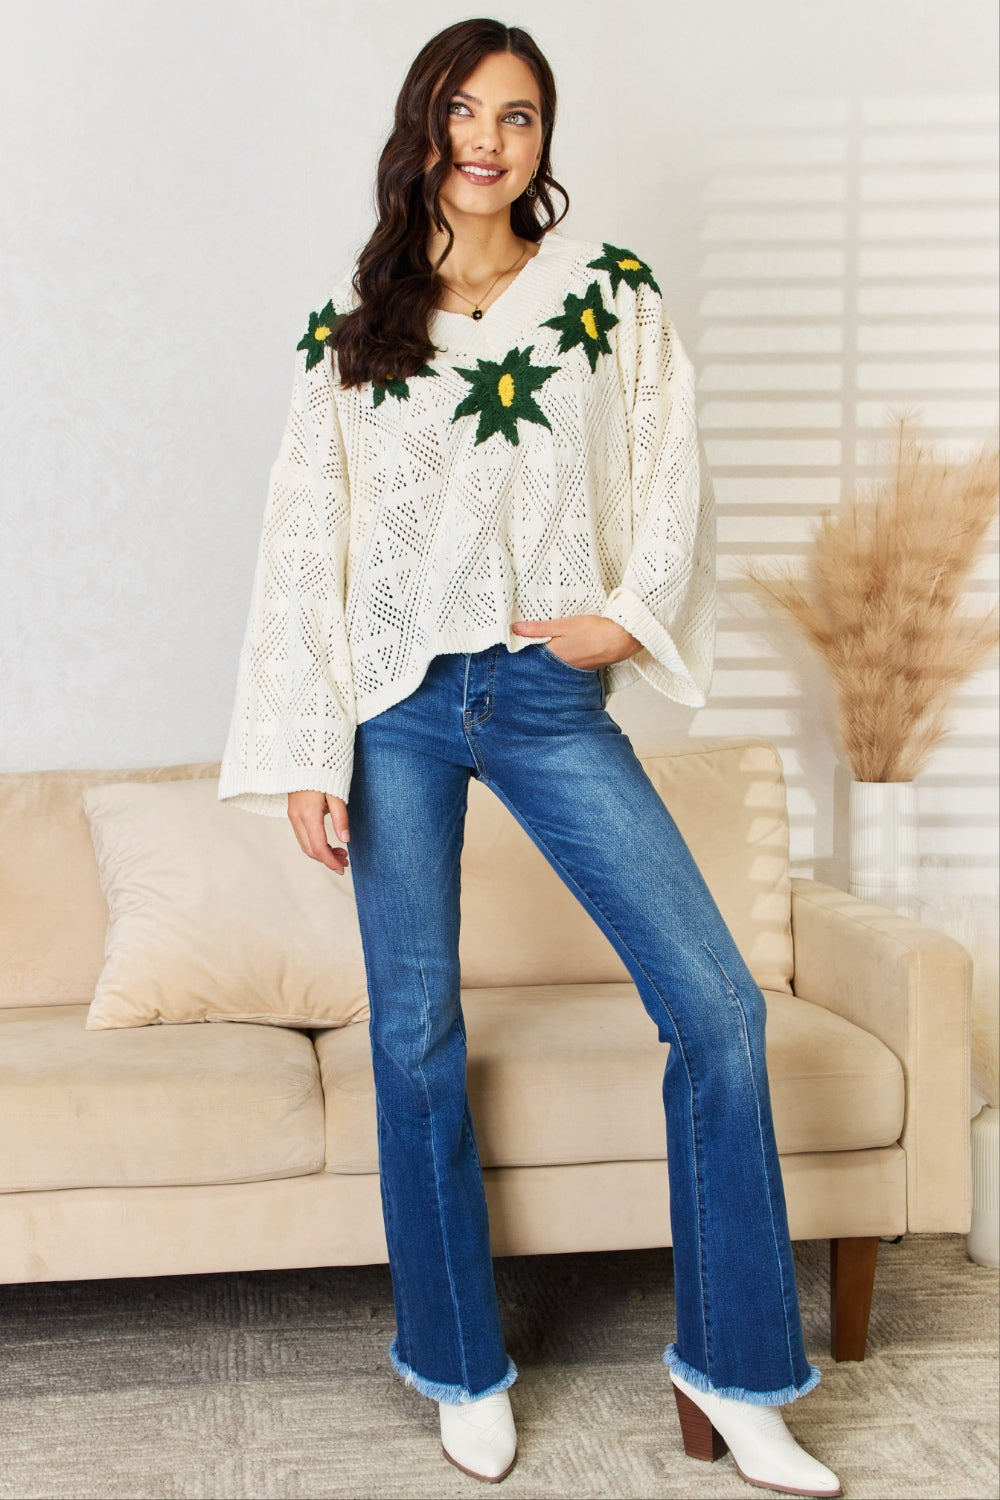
(189, 1148)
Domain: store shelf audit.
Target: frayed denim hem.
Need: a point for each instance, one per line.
(451, 1395)
(701, 1382)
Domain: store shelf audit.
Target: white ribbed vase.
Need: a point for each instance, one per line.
(885, 843)
(983, 1241)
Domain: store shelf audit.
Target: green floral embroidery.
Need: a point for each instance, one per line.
(623, 266)
(394, 387)
(585, 321)
(502, 393)
(321, 326)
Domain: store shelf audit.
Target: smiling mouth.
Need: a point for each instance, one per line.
(480, 174)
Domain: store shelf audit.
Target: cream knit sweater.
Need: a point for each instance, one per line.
(546, 463)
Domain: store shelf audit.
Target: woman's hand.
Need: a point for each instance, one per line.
(307, 814)
(583, 640)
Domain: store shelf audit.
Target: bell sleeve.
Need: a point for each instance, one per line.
(293, 721)
(666, 596)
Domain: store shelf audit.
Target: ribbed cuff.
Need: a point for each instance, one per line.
(627, 610)
(267, 792)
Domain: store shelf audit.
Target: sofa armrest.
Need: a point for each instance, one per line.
(910, 987)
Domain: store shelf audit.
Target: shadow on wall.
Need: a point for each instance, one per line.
(848, 265)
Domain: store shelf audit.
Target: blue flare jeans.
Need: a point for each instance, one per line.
(535, 729)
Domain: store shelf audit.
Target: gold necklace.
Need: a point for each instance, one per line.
(477, 311)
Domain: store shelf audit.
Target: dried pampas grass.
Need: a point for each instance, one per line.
(882, 602)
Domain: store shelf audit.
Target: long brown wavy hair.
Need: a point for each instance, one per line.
(386, 335)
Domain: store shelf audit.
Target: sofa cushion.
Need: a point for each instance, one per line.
(155, 1106)
(728, 800)
(55, 915)
(727, 796)
(572, 1074)
(217, 916)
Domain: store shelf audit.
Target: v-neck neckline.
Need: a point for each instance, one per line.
(460, 331)
(496, 300)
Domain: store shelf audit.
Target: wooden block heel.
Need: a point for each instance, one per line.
(700, 1438)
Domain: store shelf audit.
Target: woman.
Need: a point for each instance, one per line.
(489, 512)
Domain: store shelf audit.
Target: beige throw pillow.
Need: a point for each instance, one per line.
(217, 916)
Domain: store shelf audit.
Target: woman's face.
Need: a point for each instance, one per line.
(495, 120)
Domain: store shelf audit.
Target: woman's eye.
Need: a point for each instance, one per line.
(516, 116)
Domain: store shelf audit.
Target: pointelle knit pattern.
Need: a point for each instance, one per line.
(545, 463)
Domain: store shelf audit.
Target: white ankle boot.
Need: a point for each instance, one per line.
(764, 1451)
(478, 1437)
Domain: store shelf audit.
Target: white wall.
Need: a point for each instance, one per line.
(814, 183)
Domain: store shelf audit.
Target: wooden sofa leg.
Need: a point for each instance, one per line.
(852, 1279)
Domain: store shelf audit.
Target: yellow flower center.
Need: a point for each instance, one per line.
(630, 265)
(505, 390)
(322, 332)
(587, 319)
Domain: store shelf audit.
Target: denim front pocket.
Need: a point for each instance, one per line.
(551, 656)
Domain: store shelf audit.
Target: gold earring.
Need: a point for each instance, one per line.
(531, 191)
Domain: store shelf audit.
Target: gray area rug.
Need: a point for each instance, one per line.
(277, 1384)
